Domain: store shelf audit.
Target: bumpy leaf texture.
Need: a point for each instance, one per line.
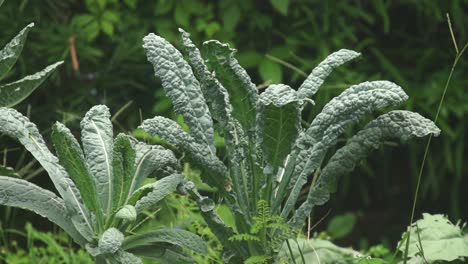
(172, 132)
(340, 113)
(398, 124)
(318, 75)
(182, 87)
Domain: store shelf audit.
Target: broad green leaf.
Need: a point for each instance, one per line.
(160, 189)
(321, 72)
(71, 157)
(20, 193)
(270, 71)
(278, 123)
(1, 2)
(440, 240)
(242, 92)
(281, 6)
(317, 251)
(123, 169)
(123, 257)
(398, 124)
(97, 140)
(340, 113)
(170, 131)
(10, 53)
(341, 225)
(151, 161)
(177, 237)
(182, 87)
(164, 253)
(15, 125)
(13, 93)
(231, 15)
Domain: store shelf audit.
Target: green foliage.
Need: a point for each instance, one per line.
(266, 171)
(13, 93)
(96, 185)
(257, 29)
(43, 247)
(317, 251)
(341, 225)
(434, 239)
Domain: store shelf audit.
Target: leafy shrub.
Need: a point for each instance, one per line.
(100, 187)
(269, 154)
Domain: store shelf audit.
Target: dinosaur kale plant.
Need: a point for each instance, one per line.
(101, 188)
(269, 155)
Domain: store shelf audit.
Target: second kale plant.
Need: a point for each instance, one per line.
(269, 154)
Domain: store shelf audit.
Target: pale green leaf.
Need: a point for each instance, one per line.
(182, 87)
(10, 53)
(164, 253)
(321, 72)
(20, 193)
(160, 189)
(127, 213)
(15, 125)
(177, 237)
(123, 257)
(151, 161)
(440, 240)
(317, 251)
(15, 92)
(97, 140)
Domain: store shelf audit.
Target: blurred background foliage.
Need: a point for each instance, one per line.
(405, 41)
